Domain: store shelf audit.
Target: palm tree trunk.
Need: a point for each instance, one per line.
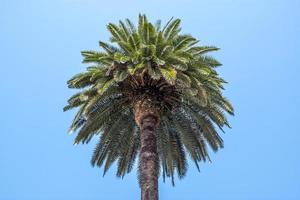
(148, 165)
(147, 118)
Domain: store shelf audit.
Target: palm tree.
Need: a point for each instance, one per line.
(154, 94)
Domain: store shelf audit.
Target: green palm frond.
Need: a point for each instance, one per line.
(169, 74)
(202, 50)
(172, 29)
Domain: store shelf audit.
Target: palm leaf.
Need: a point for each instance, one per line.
(169, 74)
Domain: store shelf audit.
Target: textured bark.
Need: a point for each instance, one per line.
(147, 119)
(144, 108)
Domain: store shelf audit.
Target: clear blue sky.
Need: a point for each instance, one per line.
(40, 44)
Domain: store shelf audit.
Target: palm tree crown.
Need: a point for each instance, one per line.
(162, 69)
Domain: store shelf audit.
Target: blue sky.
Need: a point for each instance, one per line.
(40, 49)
